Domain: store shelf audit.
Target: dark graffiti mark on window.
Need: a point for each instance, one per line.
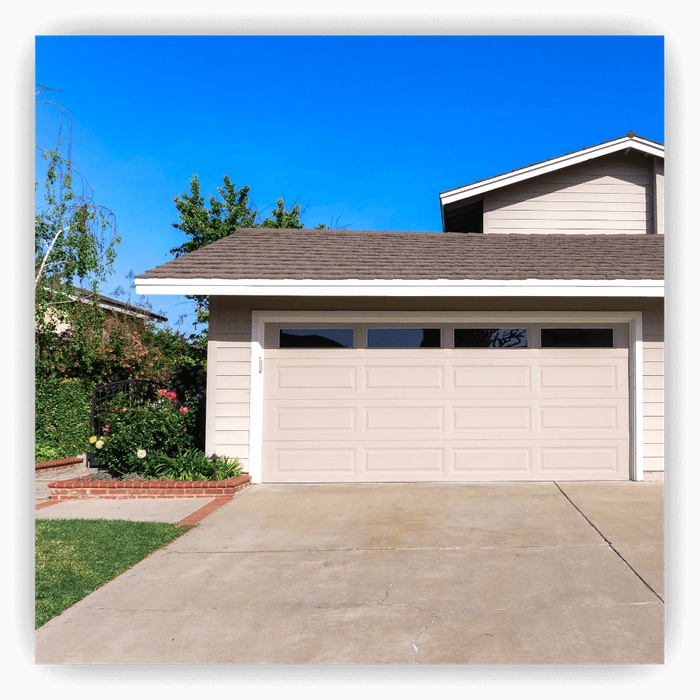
(490, 337)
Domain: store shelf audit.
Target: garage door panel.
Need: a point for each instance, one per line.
(403, 462)
(583, 461)
(596, 418)
(482, 376)
(485, 461)
(311, 461)
(390, 418)
(309, 376)
(318, 419)
(404, 377)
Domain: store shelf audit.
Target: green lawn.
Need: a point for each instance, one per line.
(74, 557)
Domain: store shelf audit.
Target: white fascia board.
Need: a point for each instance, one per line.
(404, 288)
(549, 166)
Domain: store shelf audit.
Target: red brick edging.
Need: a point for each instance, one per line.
(72, 488)
(52, 464)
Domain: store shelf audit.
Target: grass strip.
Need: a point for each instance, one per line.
(74, 557)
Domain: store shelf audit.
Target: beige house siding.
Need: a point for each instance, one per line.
(658, 176)
(228, 380)
(613, 194)
(653, 389)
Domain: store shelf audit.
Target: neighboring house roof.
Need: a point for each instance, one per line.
(121, 307)
(630, 141)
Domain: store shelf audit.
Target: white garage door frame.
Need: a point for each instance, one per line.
(257, 357)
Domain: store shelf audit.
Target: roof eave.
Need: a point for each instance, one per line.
(403, 288)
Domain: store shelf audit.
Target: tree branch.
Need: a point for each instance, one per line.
(43, 262)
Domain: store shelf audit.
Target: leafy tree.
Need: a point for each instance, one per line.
(203, 225)
(75, 238)
(283, 217)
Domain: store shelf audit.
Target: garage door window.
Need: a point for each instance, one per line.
(317, 337)
(577, 337)
(403, 338)
(490, 337)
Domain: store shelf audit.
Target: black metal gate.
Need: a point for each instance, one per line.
(138, 391)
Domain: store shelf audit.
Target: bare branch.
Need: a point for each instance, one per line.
(43, 262)
(63, 112)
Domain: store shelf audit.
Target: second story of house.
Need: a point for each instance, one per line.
(616, 187)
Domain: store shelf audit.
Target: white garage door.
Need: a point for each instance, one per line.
(357, 403)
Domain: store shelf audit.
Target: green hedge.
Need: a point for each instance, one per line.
(62, 418)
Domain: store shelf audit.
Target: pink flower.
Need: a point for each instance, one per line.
(125, 408)
(171, 395)
(184, 409)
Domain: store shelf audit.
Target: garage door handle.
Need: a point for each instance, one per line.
(260, 365)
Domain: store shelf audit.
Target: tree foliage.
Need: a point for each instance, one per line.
(75, 242)
(75, 238)
(204, 224)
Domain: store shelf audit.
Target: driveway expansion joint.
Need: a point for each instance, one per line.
(608, 542)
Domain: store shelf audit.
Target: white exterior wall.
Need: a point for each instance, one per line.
(613, 194)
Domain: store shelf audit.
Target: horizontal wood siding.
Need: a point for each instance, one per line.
(607, 195)
(653, 391)
(228, 376)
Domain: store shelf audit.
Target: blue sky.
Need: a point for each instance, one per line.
(364, 130)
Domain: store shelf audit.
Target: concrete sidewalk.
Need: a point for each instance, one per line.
(509, 573)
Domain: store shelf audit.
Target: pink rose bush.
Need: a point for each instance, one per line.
(142, 433)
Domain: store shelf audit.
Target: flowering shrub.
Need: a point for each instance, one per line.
(99, 349)
(137, 435)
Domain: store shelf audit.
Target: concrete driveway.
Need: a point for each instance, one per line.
(510, 573)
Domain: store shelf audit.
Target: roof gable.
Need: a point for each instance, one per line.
(629, 142)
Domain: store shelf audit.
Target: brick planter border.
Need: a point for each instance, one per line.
(54, 463)
(72, 488)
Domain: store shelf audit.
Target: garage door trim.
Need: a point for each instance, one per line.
(257, 366)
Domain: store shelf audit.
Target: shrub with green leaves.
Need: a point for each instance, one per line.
(136, 434)
(61, 418)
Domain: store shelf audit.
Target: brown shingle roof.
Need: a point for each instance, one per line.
(326, 254)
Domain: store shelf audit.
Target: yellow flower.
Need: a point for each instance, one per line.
(93, 440)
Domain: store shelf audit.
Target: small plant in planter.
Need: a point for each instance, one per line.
(194, 465)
